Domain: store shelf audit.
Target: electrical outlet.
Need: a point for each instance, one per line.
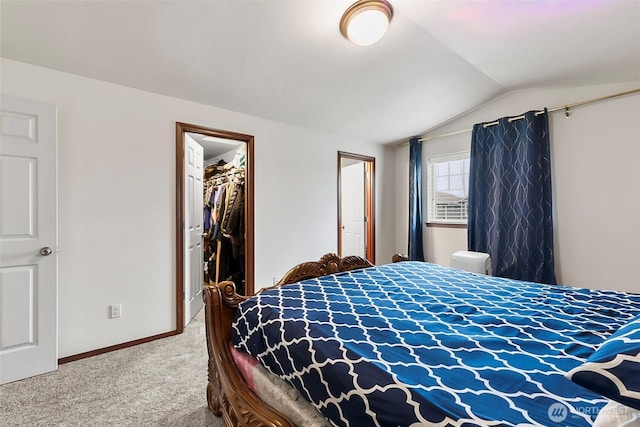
(115, 310)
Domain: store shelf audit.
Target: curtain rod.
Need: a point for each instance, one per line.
(565, 108)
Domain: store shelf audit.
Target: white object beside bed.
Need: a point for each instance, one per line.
(474, 262)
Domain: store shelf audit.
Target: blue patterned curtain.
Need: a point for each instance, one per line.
(510, 214)
(416, 252)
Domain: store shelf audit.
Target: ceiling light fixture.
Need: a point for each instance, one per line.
(366, 21)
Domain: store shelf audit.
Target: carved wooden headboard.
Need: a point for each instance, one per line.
(329, 264)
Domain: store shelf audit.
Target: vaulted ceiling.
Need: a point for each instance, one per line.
(287, 61)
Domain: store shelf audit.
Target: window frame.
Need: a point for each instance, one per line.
(445, 158)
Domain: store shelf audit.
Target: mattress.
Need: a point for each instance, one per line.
(415, 343)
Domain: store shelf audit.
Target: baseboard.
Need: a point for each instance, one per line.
(114, 347)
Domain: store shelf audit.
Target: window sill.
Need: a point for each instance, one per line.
(445, 225)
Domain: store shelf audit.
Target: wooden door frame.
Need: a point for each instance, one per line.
(370, 204)
(181, 129)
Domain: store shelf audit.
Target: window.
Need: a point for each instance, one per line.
(448, 188)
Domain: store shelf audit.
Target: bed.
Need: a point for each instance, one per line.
(413, 343)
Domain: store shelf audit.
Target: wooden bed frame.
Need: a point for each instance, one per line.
(227, 393)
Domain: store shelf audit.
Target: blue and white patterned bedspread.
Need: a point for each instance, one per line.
(419, 344)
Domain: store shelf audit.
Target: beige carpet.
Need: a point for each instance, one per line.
(161, 383)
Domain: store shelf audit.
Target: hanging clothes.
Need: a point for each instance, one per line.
(224, 224)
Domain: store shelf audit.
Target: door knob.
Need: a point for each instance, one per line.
(46, 251)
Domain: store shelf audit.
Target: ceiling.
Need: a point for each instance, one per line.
(287, 61)
(214, 147)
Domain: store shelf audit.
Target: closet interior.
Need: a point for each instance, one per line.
(224, 216)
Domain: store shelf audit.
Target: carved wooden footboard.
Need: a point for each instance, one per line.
(227, 392)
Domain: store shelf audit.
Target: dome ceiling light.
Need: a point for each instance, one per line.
(366, 21)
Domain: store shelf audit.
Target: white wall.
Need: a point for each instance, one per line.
(596, 181)
(117, 199)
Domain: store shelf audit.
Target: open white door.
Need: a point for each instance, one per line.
(28, 239)
(353, 209)
(193, 214)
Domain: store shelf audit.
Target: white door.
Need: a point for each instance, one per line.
(193, 214)
(28, 239)
(353, 209)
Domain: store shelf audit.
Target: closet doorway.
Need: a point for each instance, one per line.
(214, 212)
(356, 205)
